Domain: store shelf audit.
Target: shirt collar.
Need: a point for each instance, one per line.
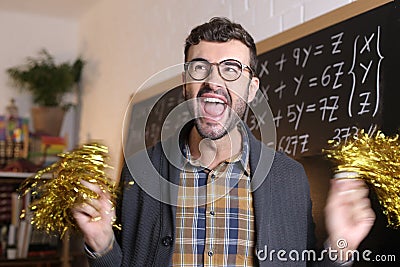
(241, 158)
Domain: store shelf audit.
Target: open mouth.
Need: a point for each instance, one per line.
(213, 106)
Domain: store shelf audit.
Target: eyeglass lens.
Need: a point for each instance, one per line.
(229, 70)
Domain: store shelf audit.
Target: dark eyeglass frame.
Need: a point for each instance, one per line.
(218, 64)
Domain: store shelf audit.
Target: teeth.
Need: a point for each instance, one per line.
(213, 100)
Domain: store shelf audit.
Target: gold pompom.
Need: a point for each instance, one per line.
(377, 161)
(57, 188)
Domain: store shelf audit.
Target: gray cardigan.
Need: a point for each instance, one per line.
(282, 209)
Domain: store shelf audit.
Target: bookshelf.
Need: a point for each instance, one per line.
(34, 262)
(58, 258)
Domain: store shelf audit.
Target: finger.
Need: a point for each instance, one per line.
(92, 186)
(89, 212)
(87, 209)
(103, 195)
(353, 195)
(348, 187)
(362, 210)
(349, 184)
(364, 222)
(362, 204)
(349, 197)
(104, 207)
(368, 216)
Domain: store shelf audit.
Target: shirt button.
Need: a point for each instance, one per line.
(212, 212)
(210, 253)
(166, 241)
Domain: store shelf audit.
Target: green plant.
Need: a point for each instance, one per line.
(46, 80)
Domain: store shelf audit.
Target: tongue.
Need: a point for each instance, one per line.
(214, 109)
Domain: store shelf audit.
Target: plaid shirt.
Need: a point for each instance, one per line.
(214, 217)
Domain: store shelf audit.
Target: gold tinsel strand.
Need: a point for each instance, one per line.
(376, 159)
(57, 188)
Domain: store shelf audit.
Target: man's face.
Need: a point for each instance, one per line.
(216, 104)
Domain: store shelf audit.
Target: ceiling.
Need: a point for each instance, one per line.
(56, 8)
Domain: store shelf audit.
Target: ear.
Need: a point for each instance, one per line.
(253, 87)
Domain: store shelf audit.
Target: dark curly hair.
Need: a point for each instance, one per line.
(220, 29)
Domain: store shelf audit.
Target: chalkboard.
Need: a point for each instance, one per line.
(330, 84)
(147, 118)
(323, 85)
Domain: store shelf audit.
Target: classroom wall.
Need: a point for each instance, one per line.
(23, 35)
(125, 42)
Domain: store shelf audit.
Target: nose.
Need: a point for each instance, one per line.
(214, 80)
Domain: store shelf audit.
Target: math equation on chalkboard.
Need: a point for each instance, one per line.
(328, 85)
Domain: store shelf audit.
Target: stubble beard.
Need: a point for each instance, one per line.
(217, 130)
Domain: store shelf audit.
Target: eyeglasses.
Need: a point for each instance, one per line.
(228, 69)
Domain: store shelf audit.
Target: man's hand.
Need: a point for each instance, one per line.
(95, 218)
(348, 213)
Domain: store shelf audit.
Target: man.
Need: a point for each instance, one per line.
(219, 216)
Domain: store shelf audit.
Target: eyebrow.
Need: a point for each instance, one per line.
(199, 59)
